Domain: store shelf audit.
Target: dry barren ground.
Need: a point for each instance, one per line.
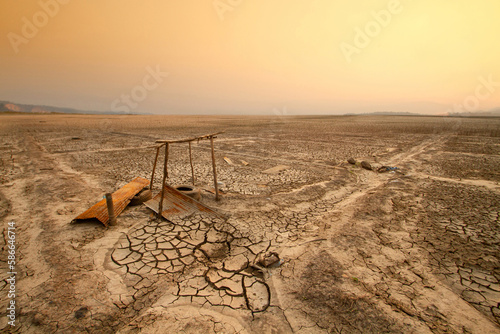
(416, 250)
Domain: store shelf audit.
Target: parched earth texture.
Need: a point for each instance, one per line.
(306, 242)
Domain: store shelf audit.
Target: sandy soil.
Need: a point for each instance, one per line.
(415, 250)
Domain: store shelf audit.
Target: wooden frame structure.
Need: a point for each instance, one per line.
(167, 143)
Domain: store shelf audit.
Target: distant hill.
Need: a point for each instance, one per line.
(490, 113)
(6, 106)
(388, 113)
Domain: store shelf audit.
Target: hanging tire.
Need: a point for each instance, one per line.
(141, 197)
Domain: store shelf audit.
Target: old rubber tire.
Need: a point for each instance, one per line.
(189, 190)
(141, 197)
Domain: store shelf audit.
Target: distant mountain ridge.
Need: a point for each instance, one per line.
(489, 113)
(387, 113)
(6, 106)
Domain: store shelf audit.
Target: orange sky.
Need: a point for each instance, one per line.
(252, 56)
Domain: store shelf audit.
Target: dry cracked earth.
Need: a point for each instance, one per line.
(317, 245)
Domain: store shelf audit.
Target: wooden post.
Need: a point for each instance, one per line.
(215, 171)
(111, 210)
(191, 162)
(160, 206)
(154, 168)
(167, 147)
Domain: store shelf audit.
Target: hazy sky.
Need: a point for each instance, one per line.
(252, 56)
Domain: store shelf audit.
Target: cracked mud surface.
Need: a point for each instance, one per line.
(210, 260)
(321, 246)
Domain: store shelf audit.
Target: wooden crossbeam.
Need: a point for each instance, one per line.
(186, 140)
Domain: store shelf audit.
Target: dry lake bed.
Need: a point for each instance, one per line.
(307, 242)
